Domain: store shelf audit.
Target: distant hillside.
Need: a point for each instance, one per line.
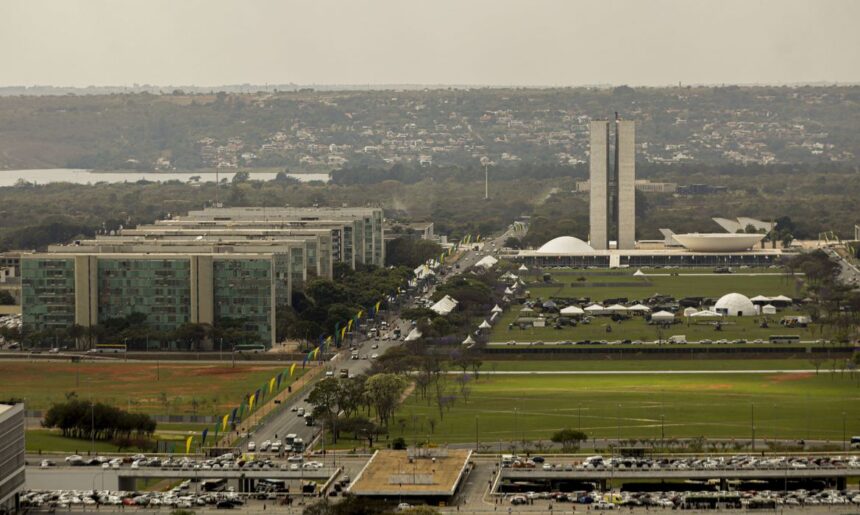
(321, 130)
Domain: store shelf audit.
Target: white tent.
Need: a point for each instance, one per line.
(496, 309)
(617, 308)
(509, 291)
(484, 325)
(413, 335)
(781, 298)
(642, 308)
(445, 305)
(527, 309)
(638, 273)
(768, 309)
(706, 314)
(690, 311)
(523, 268)
(760, 298)
(572, 310)
(494, 318)
(469, 340)
(595, 309)
(663, 316)
(487, 262)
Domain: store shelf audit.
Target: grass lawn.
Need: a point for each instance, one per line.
(800, 405)
(636, 328)
(647, 364)
(602, 285)
(139, 387)
(51, 441)
(609, 284)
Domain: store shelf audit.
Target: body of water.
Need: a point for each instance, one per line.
(11, 177)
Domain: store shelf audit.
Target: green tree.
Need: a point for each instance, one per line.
(569, 439)
(383, 391)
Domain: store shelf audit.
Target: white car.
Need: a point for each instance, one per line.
(374, 356)
(252, 446)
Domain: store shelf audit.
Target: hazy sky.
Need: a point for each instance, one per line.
(496, 42)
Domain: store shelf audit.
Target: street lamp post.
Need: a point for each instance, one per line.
(662, 432)
(844, 435)
(752, 424)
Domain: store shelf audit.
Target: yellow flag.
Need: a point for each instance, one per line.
(377, 306)
(272, 385)
(224, 422)
(316, 352)
(349, 325)
(360, 313)
(251, 402)
(188, 444)
(342, 333)
(292, 369)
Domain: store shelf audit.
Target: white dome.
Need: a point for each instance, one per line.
(565, 245)
(735, 304)
(718, 242)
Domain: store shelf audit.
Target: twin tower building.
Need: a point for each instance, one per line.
(613, 194)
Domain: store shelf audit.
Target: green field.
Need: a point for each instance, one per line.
(167, 388)
(600, 286)
(506, 408)
(645, 364)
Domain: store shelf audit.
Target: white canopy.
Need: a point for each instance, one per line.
(527, 309)
(509, 291)
(484, 325)
(690, 311)
(413, 335)
(768, 309)
(616, 307)
(661, 316)
(468, 340)
(494, 317)
(781, 298)
(640, 307)
(760, 298)
(523, 268)
(706, 313)
(595, 309)
(487, 262)
(572, 310)
(638, 273)
(445, 305)
(496, 309)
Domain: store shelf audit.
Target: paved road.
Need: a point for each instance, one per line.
(850, 274)
(286, 421)
(627, 372)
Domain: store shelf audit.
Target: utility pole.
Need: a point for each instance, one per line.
(752, 424)
(486, 183)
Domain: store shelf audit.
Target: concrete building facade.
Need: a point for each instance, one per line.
(222, 267)
(12, 456)
(612, 188)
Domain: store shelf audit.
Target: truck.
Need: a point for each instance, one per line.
(678, 338)
(344, 373)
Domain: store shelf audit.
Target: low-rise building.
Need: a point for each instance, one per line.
(12, 458)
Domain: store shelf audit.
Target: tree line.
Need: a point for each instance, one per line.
(77, 418)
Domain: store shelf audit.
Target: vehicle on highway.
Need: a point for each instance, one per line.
(344, 373)
(374, 356)
(252, 446)
(300, 412)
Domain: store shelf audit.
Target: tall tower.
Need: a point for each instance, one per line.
(612, 208)
(599, 190)
(625, 173)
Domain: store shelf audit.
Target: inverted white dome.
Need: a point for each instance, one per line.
(735, 304)
(717, 242)
(565, 245)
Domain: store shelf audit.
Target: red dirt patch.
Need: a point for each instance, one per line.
(781, 378)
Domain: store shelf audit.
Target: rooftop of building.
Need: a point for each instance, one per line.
(416, 473)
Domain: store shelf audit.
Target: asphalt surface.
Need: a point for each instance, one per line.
(286, 421)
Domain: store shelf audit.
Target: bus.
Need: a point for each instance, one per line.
(855, 442)
(289, 439)
(272, 485)
(785, 339)
(249, 347)
(109, 348)
(214, 485)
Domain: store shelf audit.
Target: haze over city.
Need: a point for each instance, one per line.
(478, 42)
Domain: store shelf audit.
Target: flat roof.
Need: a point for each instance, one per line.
(653, 252)
(390, 473)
